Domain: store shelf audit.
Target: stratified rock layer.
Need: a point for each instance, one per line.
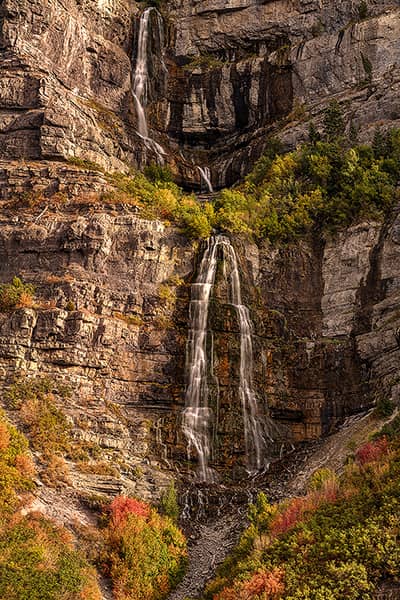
(111, 319)
(237, 72)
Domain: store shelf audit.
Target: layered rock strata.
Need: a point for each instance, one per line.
(111, 319)
(237, 72)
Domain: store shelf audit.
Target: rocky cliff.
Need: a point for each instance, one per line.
(237, 72)
(110, 318)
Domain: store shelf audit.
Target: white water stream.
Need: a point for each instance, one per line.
(206, 177)
(197, 415)
(198, 418)
(140, 81)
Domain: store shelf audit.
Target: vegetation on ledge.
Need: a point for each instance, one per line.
(323, 185)
(142, 552)
(37, 557)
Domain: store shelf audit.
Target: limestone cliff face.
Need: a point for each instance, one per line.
(259, 67)
(111, 319)
(65, 80)
(237, 71)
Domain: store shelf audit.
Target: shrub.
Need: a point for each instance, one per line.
(15, 295)
(333, 120)
(169, 503)
(146, 552)
(384, 407)
(37, 561)
(16, 468)
(339, 541)
(362, 10)
(262, 585)
(372, 451)
(157, 173)
(122, 506)
(323, 185)
(46, 425)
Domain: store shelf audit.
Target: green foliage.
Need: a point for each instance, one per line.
(384, 407)
(46, 425)
(320, 478)
(82, 163)
(15, 294)
(162, 199)
(37, 558)
(325, 184)
(367, 65)
(38, 562)
(362, 10)
(342, 544)
(169, 503)
(146, 553)
(15, 467)
(156, 173)
(333, 121)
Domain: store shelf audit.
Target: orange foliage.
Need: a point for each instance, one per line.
(4, 436)
(122, 506)
(372, 451)
(25, 465)
(296, 509)
(25, 300)
(263, 585)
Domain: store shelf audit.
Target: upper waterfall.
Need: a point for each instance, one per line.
(205, 174)
(199, 421)
(140, 81)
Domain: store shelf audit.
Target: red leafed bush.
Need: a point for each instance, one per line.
(372, 451)
(291, 515)
(264, 585)
(295, 510)
(121, 507)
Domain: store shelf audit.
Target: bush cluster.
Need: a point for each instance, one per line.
(325, 184)
(159, 198)
(47, 427)
(37, 558)
(15, 295)
(145, 553)
(339, 541)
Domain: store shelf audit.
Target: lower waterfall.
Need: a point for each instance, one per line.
(198, 418)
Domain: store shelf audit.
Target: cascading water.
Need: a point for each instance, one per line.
(140, 81)
(197, 415)
(255, 430)
(206, 177)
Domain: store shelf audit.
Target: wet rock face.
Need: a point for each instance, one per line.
(65, 80)
(256, 67)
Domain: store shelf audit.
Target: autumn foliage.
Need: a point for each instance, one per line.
(146, 553)
(340, 540)
(263, 585)
(122, 506)
(372, 451)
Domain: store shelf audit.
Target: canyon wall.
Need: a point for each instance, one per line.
(238, 71)
(110, 318)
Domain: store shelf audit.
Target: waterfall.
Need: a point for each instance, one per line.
(206, 177)
(254, 427)
(197, 415)
(140, 81)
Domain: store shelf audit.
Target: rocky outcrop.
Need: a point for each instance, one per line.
(260, 68)
(65, 81)
(110, 318)
(237, 72)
